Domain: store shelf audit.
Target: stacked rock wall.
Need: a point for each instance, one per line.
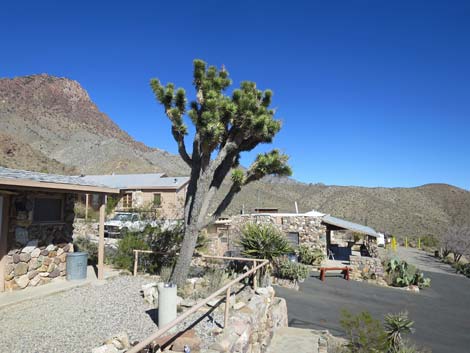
(364, 266)
(311, 230)
(38, 251)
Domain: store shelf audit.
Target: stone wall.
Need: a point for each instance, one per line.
(38, 251)
(311, 230)
(366, 267)
(252, 326)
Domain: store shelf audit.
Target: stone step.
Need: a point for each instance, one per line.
(291, 339)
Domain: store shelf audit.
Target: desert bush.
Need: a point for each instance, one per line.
(463, 268)
(402, 274)
(111, 203)
(86, 245)
(124, 257)
(456, 241)
(286, 269)
(364, 333)
(309, 256)
(79, 209)
(430, 241)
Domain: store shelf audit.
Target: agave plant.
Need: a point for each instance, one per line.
(395, 326)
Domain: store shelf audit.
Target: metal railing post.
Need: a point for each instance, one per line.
(136, 261)
(227, 305)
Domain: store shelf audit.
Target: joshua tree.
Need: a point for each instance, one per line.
(225, 126)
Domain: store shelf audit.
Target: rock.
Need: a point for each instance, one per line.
(30, 247)
(187, 303)
(62, 266)
(66, 248)
(55, 273)
(44, 252)
(413, 288)
(35, 281)
(25, 257)
(21, 235)
(44, 274)
(10, 285)
(188, 338)
(22, 281)
(32, 274)
(107, 348)
(120, 341)
(60, 251)
(9, 268)
(21, 268)
(150, 292)
(16, 258)
(51, 267)
(52, 253)
(63, 257)
(179, 300)
(265, 291)
(35, 253)
(51, 247)
(238, 305)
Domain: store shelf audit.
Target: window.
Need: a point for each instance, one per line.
(47, 210)
(127, 201)
(157, 200)
(293, 238)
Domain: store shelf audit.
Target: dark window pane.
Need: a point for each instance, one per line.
(157, 200)
(47, 210)
(293, 239)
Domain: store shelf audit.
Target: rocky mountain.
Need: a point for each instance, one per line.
(50, 124)
(56, 118)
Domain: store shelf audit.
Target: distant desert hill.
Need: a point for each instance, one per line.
(50, 124)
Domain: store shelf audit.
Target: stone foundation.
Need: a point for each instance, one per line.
(38, 251)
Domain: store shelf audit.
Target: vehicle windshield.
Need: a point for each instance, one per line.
(123, 217)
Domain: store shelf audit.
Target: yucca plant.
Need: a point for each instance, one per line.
(395, 326)
(264, 241)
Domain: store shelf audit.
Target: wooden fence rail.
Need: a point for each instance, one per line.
(226, 288)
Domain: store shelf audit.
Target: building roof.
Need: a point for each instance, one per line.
(23, 178)
(138, 181)
(341, 223)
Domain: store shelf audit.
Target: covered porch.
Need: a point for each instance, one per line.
(36, 226)
(345, 239)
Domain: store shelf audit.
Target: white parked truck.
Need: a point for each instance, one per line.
(124, 222)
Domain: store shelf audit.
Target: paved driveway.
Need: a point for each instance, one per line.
(441, 313)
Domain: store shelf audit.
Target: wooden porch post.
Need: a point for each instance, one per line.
(4, 218)
(101, 242)
(86, 206)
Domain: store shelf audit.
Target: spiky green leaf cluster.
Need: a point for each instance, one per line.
(271, 163)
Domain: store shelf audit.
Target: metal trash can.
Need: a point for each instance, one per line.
(167, 294)
(77, 266)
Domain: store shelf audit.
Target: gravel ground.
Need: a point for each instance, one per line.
(77, 320)
(82, 318)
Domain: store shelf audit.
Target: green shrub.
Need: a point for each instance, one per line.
(86, 245)
(263, 241)
(430, 241)
(111, 203)
(364, 333)
(124, 257)
(286, 269)
(309, 256)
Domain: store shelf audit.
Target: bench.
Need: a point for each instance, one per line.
(344, 271)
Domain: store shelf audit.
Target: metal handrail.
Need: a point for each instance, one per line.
(143, 344)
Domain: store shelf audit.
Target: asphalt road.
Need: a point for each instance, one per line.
(441, 313)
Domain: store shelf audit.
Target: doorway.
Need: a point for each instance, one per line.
(3, 241)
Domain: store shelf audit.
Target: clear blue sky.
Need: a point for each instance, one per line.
(373, 93)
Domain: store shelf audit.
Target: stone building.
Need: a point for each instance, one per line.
(154, 192)
(36, 225)
(334, 236)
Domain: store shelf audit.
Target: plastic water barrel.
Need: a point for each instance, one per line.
(77, 266)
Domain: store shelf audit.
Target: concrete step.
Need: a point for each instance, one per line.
(291, 339)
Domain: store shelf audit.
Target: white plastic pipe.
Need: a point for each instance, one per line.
(166, 303)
